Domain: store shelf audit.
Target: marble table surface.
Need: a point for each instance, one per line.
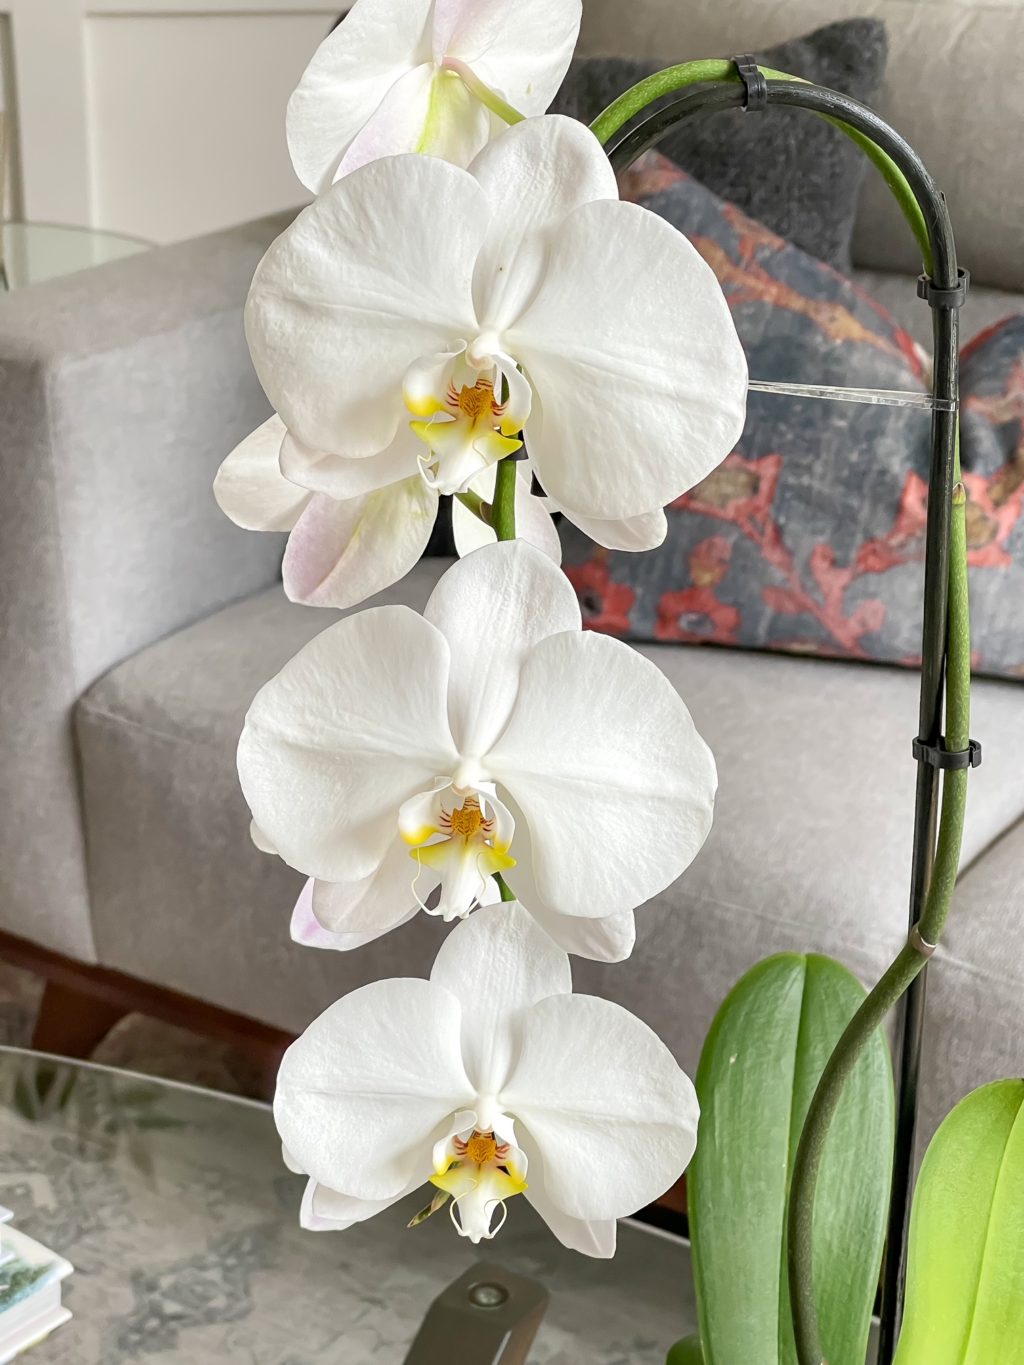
(182, 1224)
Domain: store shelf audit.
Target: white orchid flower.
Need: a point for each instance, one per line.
(357, 526)
(489, 1080)
(398, 757)
(420, 306)
(406, 76)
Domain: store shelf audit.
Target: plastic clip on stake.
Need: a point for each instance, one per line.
(944, 298)
(754, 83)
(938, 756)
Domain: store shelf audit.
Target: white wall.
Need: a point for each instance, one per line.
(158, 118)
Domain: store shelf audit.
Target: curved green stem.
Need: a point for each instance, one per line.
(503, 508)
(474, 503)
(908, 963)
(635, 100)
(504, 890)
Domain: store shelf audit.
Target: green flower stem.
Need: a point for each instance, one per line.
(483, 93)
(503, 508)
(504, 890)
(475, 503)
(635, 100)
(907, 965)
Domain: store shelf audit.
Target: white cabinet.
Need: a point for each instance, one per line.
(158, 118)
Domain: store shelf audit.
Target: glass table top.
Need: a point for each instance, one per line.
(182, 1224)
(34, 252)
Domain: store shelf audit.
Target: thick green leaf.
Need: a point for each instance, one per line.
(965, 1275)
(762, 1060)
(686, 1352)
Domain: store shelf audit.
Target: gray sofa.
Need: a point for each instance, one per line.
(137, 624)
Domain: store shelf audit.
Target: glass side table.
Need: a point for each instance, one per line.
(182, 1224)
(34, 252)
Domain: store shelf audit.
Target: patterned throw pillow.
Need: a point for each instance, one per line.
(809, 538)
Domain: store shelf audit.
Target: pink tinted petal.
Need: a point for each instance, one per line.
(341, 553)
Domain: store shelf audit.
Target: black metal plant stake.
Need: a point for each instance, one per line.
(943, 287)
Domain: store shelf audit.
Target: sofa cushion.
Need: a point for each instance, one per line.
(816, 172)
(810, 848)
(810, 537)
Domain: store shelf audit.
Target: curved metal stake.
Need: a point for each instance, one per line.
(944, 291)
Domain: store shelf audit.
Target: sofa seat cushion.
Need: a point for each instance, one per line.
(810, 848)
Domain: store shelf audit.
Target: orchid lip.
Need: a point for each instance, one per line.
(463, 836)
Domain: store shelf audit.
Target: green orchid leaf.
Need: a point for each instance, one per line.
(762, 1060)
(686, 1352)
(965, 1273)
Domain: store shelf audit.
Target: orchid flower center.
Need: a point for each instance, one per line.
(477, 402)
(469, 405)
(462, 836)
(480, 1170)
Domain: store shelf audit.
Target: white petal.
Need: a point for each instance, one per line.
(457, 124)
(533, 520)
(307, 929)
(533, 175)
(645, 372)
(522, 50)
(350, 728)
(250, 488)
(610, 939)
(341, 553)
(492, 607)
(644, 532)
(260, 839)
(613, 1115)
(350, 73)
(498, 963)
(341, 477)
(374, 904)
(373, 275)
(361, 1092)
(618, 794)
(396, 125)
(590, 1238)
(327, 1210)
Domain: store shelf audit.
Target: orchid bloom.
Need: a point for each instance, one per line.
(357, 526)
(489, 1080)
(398, 757)
(422, 316)
(407, 76)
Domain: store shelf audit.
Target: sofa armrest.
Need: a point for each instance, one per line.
(121, 389)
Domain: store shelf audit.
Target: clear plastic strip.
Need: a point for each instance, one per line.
(884, 398)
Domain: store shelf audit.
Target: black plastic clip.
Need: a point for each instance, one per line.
(935, 297)
(938, 756)
(756, 87)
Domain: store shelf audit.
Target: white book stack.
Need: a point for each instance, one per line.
(30, 1290)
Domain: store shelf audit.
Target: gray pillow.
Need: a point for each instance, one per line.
(785, 167)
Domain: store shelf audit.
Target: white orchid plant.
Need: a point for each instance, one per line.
(467, 309)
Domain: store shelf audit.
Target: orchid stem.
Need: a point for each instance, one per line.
(504, 890)
(909, 962)
(503, 508)
(475, 504)
(488, 97)
(635, 100)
